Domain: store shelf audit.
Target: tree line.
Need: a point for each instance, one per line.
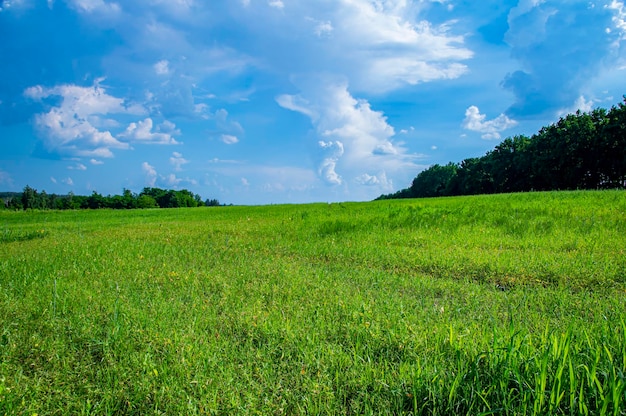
(585, 150)
(30, 198)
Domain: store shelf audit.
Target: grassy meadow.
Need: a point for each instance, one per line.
(502, 304)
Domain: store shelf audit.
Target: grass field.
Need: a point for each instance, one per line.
(505, 304)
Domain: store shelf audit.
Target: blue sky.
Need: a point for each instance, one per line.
(287, 101)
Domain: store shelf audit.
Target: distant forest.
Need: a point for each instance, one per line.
(580, 151)
(30, 198)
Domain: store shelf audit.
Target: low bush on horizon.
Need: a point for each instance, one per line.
(504, 304)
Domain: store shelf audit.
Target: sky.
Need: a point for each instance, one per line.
(287, 101)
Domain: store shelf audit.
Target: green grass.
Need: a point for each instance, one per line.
(507, 304)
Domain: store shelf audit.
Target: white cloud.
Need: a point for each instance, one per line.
(178, 161)
(333, 151)
(352, 136)
(202, 110)
(490, 129)
(96, 6)
(225, 124)
(619, 18)
(162, 67)
(142, 132)
(53, 179)
(296, 103)
(386, 45)
(152, 177)
(323, 28)
(171, 180)
(366, 179)
(225, 161)
(78, 166)
(96, 162)
(385, 148)
(169, 128)
(68, 128)
(7, 5)
(581, 104)
(229, 139)
(379, 181)
(150, 172)
(379, 45)
(278, 4)
(68, 181)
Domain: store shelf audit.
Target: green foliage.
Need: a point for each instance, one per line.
(504, 304)
(148, 198)
(580, 151)
(172, 199)
(434, 181)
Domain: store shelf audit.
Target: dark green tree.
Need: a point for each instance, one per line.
(29, 197)
(146, 201)
(95, 201)
(611, 149)
(434, 181)
(509, 165)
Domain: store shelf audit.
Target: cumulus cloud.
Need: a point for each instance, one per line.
(229, 139)
(162, 67)
(337, 114)
(71, 127)
(379, 45)
(619, 18)
(352, 136)
(153, 178)
(278, 4)
(333, 151)
(141, 132)
(150, 174)
(77, 166)
(226, 130)
(178, 161)
(96, 162)
(225, 124)
(322, 28)
(581, 104)
(490, 129)
(96, 6)
(379, 180)
(392, 46)
(68, 181)
(173, 181)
